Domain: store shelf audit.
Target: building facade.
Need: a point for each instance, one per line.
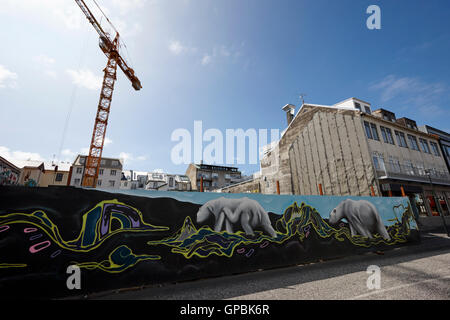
(109, 176)
(55, 175)
(9, 173)
(214, 177)
(346, 149)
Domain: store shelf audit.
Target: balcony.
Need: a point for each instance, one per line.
(411, 173)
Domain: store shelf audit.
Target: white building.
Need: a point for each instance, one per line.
(109, 175)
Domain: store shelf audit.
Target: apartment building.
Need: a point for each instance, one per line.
(348, 149)
(109, 175)
(214, 177)
(154, 181)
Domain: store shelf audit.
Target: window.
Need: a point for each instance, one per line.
(99, 182)
(447, 151)
(115, 163)
(424, 145)
(357, 106)
(413, 142)
(100, 171)
(374, 132)
(409, 168)
(111, 183)
(367, 109)
(77, 182)
(387, 135)
(113, 172)
(368, 130)
(79, 170)
(82, 160)
(401, 139)
(170, 182)
(125, 184)
(59, 177)
(102, 162)
(378, 161)
(435, 149)
(421, 169)
(394, 164)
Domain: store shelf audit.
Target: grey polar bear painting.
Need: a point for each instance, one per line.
(248, 212)
(362, 217)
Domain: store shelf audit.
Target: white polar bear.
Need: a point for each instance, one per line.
(247, 211)
(362, 217)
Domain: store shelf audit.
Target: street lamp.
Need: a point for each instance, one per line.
(428, 172)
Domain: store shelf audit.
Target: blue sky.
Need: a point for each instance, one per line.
(231, 64)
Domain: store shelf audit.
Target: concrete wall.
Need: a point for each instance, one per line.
(141, 237)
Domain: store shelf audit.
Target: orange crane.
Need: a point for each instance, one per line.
(110, 48)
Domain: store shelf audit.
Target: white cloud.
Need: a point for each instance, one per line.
(107, 141)
(85, 78)
(414, 93)
(176, 48)
(45, 63)
(126, 5)
(128, 157)
(19, 155)
(44, 60)
(8, 79)
(206, 60)
(393, 86)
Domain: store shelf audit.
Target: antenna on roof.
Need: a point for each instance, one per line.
(302, 96)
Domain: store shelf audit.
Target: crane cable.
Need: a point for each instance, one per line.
(72, 97)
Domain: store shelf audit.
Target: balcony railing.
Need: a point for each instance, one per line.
(412, 173)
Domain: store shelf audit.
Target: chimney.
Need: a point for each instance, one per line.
(290, 111)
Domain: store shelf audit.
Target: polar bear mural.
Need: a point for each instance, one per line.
(248, 212)
(362, 217)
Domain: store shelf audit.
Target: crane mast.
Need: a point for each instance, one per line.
(111, 49)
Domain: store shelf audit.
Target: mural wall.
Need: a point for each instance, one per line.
(146, 237)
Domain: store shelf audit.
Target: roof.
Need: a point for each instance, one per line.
(107, 164)
(26, 163)
(10, 164)
(353, 98)
(62, 166)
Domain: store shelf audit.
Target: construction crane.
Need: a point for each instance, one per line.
(110, 48)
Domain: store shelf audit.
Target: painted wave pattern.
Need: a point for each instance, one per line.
(96, 228)
(296, 222)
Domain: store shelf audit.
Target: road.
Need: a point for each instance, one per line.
(417, 272)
